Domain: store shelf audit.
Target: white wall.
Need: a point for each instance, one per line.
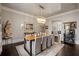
(0, 13)
(0, 8)
(65, 18)
(0, 32)
(16, 21)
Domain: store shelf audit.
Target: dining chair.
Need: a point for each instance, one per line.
(44, 42)
(52, 38)
(36, 46)
(49, 41)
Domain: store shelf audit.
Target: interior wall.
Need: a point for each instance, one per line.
(16, 21)
(0, 12)
(0, 26)
(78, 5)
(65, 18)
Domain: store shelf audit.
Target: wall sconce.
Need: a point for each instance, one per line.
(22, 25)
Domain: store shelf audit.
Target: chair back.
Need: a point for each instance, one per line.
(44, 42)
(36, 46)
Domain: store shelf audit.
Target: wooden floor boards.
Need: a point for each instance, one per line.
(67, 50)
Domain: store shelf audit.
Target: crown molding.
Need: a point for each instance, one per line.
(64, 13)
(26, 14)
(17, 12)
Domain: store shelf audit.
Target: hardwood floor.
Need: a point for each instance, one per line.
(67, 50)
(10, 50)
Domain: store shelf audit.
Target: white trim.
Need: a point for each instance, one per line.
(22, 13)
(16, 11)
(64, 13)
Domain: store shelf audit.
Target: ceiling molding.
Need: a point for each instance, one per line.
(16, 11)
(64, 13)
(26, 14)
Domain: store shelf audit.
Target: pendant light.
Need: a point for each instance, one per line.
(41, 19)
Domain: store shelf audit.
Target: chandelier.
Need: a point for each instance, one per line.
(41, 19)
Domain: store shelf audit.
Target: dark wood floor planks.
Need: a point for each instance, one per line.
(10, 50)
(67, 50)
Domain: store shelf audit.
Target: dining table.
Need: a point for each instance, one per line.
(32, 38)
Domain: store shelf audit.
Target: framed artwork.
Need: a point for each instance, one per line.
(28, 27)
(44, 28)
(73, 24)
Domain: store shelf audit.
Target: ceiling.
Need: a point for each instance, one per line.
(48, 9)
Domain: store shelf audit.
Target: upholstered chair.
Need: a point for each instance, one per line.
(36, 46)
(44, 42)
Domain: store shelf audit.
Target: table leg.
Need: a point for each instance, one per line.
(24, 43)
(31, 48)
(47, 43)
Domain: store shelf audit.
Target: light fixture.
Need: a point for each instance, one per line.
(41, 19)
(22, 25)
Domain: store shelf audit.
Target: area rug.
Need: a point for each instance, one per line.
(21, 51)
(52, 51)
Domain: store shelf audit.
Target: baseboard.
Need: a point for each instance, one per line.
(15, 44)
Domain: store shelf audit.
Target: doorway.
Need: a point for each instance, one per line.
(58, 30)
(69, 32)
